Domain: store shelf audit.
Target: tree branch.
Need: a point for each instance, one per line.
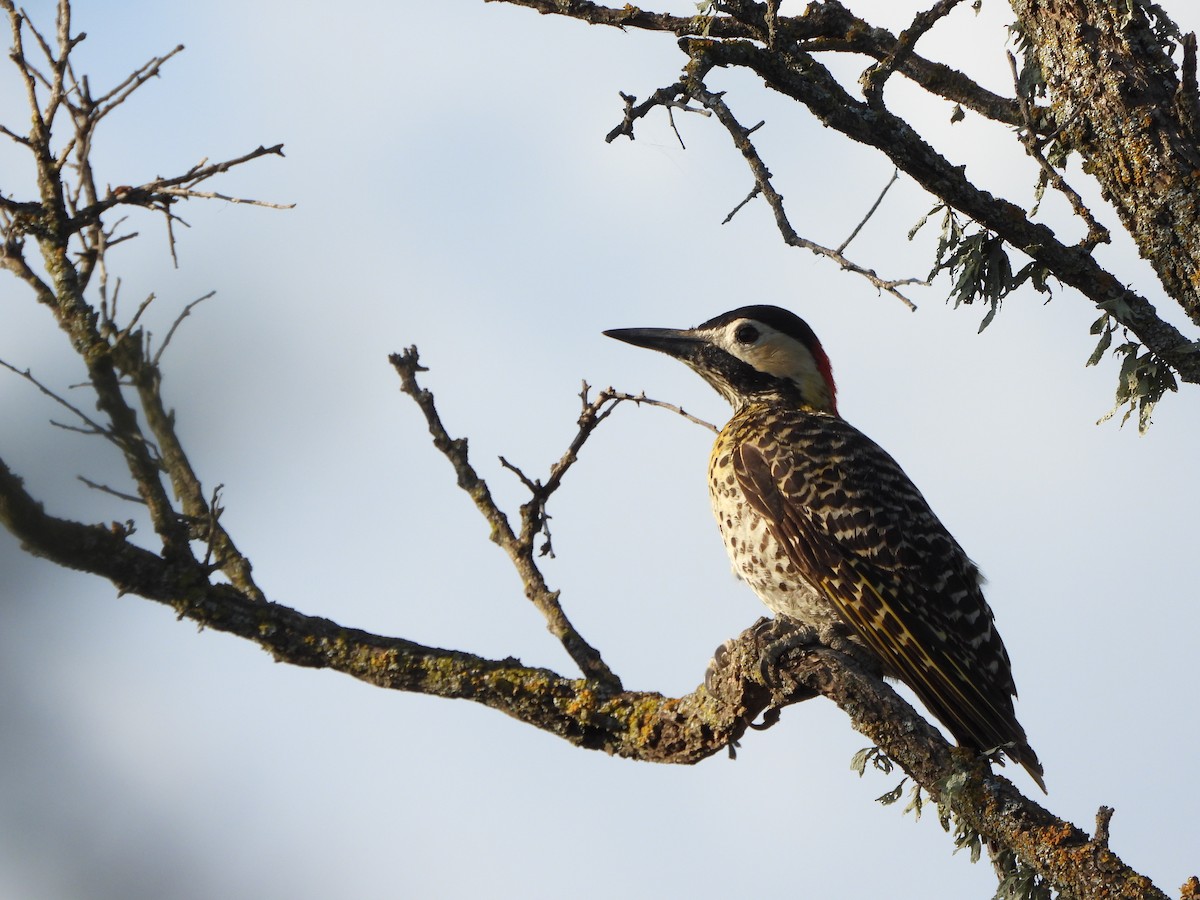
(751, 677)
(1112, 78)
(874, 78)
(162, 192)
(802, 78)
(595, 714)
(824, 27)
(764, 187)
(1097, 233)
(520, 549)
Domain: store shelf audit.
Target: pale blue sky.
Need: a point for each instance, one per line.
(453, 190)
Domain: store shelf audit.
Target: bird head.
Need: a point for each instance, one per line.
(751, 353)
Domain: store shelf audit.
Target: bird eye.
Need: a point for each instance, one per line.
(746, 334)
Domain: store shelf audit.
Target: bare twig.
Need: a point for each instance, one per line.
(754, 192)
(641, 399)
(873, 79)
(203, 170)
(77, 429)
(668, 97)
(870, 212)
(1097, 233)
(592, 414)
(525, 480)
(142, 307)
(161, 192)
(170, 219)
(519, 548)
(534, 518)
(106, 103)
(671, 119)
(17, 23)
(105, 489)
(19, 138)
(175, 325)
(94, 427)
(187, 194)
(762, 181)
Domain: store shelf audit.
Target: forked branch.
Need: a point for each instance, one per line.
(519, 546)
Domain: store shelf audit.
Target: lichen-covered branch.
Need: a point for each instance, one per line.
(801, 77)
(520, 547)
(874, 78)
(1147, 137)
(1128, 114)
(66, 223)
(764, 188)
(588, 713)
(68, 220)
(825, 26)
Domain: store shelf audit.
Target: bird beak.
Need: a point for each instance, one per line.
(671, 341)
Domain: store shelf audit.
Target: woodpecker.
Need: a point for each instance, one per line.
(827, 528)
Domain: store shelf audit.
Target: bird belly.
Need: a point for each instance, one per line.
(760, 561)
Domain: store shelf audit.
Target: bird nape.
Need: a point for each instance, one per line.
(827, 528)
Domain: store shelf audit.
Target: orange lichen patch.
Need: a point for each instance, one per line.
(582, 705)
(640, 714)
(381, 660)
(1190, 889)
(1060, 834)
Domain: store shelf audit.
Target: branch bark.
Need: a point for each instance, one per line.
(1166, 227)
(1125, 110)
(802, 78)
(595, 711)
(638, 725)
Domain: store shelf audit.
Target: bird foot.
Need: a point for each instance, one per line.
(772, 639)
(774, 636)
(752, 658)
(778, 637)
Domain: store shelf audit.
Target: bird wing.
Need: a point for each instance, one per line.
(858, 530)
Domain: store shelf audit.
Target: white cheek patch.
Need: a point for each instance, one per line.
(781, 356)
(774, 353)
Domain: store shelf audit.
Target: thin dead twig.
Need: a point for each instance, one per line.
(162, 192)
(94, 427)
(874, 78)
(870, 212)
(519, 548)
(667, 97)
(754, 192)
(1097, 233)
(764, 187)
(105, 489)
(106, 103)
(175, 325)
(187, 194)
(534, 518)
(641, 399)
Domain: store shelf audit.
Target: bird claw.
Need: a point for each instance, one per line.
(722, 660)
(770, 717)
(719, 662)
(779, 637)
